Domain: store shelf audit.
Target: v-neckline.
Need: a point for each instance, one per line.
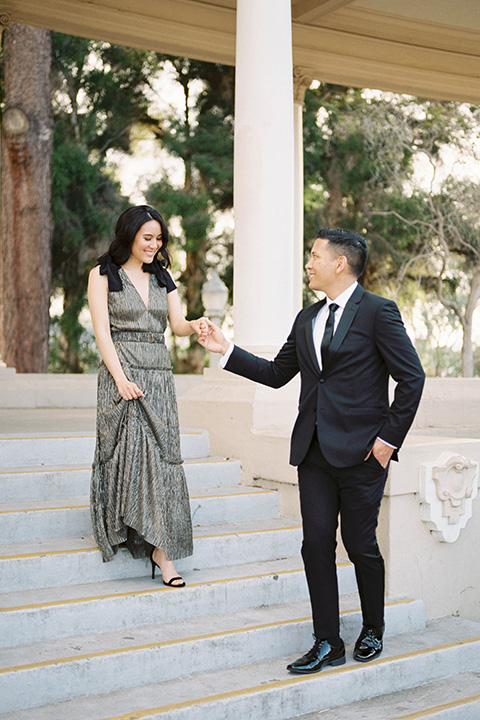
(145, 305)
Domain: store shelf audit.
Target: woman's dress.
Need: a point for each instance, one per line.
(139, 493)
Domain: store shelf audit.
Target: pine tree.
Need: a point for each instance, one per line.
(202, 138)
(26, 224)
(100, 92)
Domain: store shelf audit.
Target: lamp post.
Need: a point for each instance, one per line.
(214, 298)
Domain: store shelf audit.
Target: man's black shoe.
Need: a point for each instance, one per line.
(369, 644)
(321, 654)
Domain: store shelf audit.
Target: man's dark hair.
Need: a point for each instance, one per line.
(348, 243)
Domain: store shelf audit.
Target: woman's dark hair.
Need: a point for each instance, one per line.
(348, 243)
(128, 225)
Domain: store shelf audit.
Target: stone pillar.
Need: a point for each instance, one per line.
(264, 303)
(302, 79)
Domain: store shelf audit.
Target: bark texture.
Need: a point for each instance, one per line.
(26, 218)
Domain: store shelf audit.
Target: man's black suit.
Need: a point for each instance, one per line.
(347, 404)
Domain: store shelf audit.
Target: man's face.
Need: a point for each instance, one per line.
(322, 266)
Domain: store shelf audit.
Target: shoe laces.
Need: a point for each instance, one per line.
(312, 653)
(370, 639)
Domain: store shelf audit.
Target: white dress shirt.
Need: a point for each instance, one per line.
(320, 320)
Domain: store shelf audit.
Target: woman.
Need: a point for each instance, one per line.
(139, 494)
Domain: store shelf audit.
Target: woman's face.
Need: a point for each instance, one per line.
(147, 242)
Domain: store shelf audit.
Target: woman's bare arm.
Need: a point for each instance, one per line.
(98, 304)
(179, 325)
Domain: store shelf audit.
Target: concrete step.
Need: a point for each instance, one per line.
(76, 447)
(451, 698)
(32, 616)
(60, 670)
(42, 482)
(263, 688)
(72, 561)
(70, 517)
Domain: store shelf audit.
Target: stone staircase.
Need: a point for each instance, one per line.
(87, 640)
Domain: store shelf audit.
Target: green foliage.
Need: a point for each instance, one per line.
(100, 91)
(357, 161)
(435, 339)
(202, 138)
(360, 148)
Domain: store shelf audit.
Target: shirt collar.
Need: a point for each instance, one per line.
(344, 297)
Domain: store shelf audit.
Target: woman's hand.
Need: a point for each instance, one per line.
(128, 390)
(200, 326)
(213, 340)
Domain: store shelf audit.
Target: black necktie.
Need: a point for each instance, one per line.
(328, 334)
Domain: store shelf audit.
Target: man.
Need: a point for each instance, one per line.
(345, 347)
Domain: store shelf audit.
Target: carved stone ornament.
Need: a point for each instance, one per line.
(6, 12)
(302, 79)
(447, 490)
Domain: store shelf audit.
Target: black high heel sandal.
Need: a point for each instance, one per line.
(171, 581)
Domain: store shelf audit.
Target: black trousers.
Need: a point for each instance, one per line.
(355, 494)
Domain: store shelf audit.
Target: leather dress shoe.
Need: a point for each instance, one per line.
(321, 654)
(369, 644)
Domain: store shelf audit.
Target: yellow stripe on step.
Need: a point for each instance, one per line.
(259, 492)
(167, 643)
(197, 538)
(418, 714)
(131, 593)
(138, 715)
(149, 646)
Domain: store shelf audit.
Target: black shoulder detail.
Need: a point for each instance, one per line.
(108, 268)
(157, 267)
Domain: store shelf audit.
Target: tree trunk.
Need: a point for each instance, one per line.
(467, 352)
(26, 220)
(193, 278)
(467, 347)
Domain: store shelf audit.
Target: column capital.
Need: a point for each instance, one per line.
(302, 79)
(6, 12)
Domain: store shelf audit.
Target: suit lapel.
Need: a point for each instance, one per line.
(313, 310)
(346, 320)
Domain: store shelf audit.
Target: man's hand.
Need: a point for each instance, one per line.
(214, 340)
(381, 452)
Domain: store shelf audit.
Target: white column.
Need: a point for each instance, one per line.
(264, 303)
(302, 79)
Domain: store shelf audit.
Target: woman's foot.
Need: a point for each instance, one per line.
(166, 567)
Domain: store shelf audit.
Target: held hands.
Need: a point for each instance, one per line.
(199, 326)
(128, 390)
(381, 452)
(213, 339)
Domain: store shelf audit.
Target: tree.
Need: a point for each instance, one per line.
(360, 153)
(100, 93)
(26, 224)
(446, 260)
(360, 148)
(202, 138)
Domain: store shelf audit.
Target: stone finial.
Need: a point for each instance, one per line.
(302, 79)
(447, 490)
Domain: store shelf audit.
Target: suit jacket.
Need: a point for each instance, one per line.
(348, 400)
